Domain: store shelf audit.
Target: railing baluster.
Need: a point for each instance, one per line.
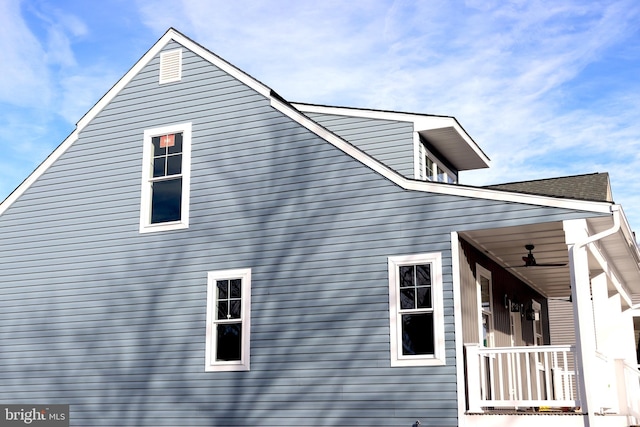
(504, 377)
(501, 376)
(527, 364)
(567, 387)
(547, 376)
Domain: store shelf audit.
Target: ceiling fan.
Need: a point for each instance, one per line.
(530, 261)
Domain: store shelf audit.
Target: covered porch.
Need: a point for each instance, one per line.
(552, 334)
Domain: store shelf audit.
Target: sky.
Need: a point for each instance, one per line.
(546, 88)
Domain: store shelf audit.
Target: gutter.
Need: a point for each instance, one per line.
(615, 209)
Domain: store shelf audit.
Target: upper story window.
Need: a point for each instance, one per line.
(165, 178)
(228, 320)
(434, 170)
(416, 310)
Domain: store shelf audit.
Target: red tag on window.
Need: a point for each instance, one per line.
(167, 141)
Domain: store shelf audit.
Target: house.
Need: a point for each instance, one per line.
(200, 251)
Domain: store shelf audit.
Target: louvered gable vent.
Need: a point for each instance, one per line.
(171, 66)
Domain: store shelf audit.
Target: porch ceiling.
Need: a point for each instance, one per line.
(506, 246)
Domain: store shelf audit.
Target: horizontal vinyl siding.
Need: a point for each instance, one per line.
(112, 322)
(388, 141)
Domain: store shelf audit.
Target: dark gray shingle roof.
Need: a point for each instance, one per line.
(592, 187)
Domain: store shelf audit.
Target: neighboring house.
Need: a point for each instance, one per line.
(200, 252)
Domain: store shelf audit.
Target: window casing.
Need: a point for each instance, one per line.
(228, 326)
(166, 173)
(416, 310)
(433, 170)
(485, 305)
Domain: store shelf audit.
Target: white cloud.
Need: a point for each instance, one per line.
(25, 79)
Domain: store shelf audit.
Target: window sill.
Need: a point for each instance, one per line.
(165, 226)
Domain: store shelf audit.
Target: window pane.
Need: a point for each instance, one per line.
(229, 339)
(177, 146)
(157, 151)
(424, 297)
(234, 309)
(429, 168)
(236, 286)
(406, 276)
(485, 293)
(222, 289)
(158, 167)
(223, 310)
(166, 200)
(174, 164)
(407, 299)
(423, 275)
(417, 334)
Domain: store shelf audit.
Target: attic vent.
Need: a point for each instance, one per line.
(170, 66)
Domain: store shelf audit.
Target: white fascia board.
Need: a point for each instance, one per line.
(170, 35)
(55, 155)
(420, 122)
(429, 186)
(300, 118)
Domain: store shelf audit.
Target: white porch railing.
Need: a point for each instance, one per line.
(516, 377)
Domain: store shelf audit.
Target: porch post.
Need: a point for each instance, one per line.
(473, 377)
(576, 231)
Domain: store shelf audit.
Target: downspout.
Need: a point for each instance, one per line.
(615, 209)
(587, 355)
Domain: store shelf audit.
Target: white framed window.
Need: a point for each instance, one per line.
(484, 285)
(416, 310)
(433, 170)
(166, 174)
(228, 320)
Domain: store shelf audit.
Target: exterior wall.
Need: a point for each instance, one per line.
(390, 142)
(111, 321)
(561, 323)
(504, 283)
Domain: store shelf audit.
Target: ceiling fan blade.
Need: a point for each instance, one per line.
(550, 264)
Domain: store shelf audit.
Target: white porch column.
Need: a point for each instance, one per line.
(576, 231)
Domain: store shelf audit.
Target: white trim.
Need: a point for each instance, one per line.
(39, 171)
(421, 122)
(397, 358)
(435, 187)
(145, 198)
(439, 167)
(483, 272)
(243, 364)
(426, 122)
(418, 147)
(458, 328)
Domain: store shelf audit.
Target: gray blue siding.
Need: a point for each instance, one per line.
(95, 315)
(388, 141)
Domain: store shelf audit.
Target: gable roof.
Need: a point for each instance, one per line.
(293, 113)
(595, 187)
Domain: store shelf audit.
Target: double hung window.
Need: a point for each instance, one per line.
(416, 313)
(165, 178)
(228, 320)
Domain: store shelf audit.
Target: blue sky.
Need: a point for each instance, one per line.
(546, 88)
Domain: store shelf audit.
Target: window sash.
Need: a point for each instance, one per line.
(417, 333)
(174, 203)
(228, 338)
